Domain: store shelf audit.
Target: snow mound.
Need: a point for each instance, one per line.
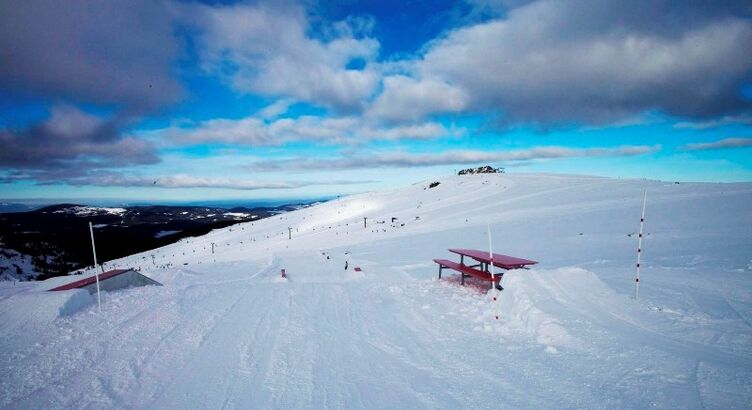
(537, 302)
(170, 276)
(41, 308)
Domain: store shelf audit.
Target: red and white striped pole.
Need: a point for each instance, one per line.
(96, 271)
(639, 245)
(494, 291)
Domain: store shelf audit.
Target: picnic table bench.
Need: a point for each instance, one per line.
(480, 270)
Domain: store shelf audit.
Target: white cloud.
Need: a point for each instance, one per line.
(745, 119)
(275, 109)
(595, 63)
(408, 99)
(267, 49)
(190, 181)
(340, 130)
(726, 143)
(69, 122)
(72, 142)
(246, 131)
(404, 159)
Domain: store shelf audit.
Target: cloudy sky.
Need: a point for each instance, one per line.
(186, 100)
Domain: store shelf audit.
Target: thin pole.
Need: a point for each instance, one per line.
(639, 245)
(494, 291)
(96, 271)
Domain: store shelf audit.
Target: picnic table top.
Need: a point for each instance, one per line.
(499, 260)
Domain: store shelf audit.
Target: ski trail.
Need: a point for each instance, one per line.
(716, 306)
(85, 357)
(217, 349)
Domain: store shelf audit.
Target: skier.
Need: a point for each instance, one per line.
(345, 265)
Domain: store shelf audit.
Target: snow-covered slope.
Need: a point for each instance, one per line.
(227, 331)
(15, 266)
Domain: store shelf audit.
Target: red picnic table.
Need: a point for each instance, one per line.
(480, 269)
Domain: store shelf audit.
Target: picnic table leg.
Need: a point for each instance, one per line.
(462, 275)
(440, 268)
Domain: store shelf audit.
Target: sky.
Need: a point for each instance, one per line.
(169, 100)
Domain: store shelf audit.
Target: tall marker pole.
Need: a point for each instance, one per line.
(639, 245)
(96, 271)
(494, 291)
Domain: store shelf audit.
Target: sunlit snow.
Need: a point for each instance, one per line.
(227, 331)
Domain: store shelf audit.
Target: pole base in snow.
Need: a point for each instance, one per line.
(499, 288)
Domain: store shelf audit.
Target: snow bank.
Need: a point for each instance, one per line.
(39, 308)
(532, 302)
(72, 301)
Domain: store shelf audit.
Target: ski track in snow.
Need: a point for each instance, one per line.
(226, 331)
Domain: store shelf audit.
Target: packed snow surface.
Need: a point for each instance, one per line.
(227, 331)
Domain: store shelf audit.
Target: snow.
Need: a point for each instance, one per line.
(237, 214)
(161, 234)
(90, 210)
(228, 331)
(13, 262)
(30, 307)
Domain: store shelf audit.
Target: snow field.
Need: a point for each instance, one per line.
(227, 331)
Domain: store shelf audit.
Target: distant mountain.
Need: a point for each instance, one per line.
(54, 240)
(15, 207)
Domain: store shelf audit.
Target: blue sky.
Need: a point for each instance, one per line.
(186, 100)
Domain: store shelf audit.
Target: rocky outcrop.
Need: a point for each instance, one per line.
(487, 169)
